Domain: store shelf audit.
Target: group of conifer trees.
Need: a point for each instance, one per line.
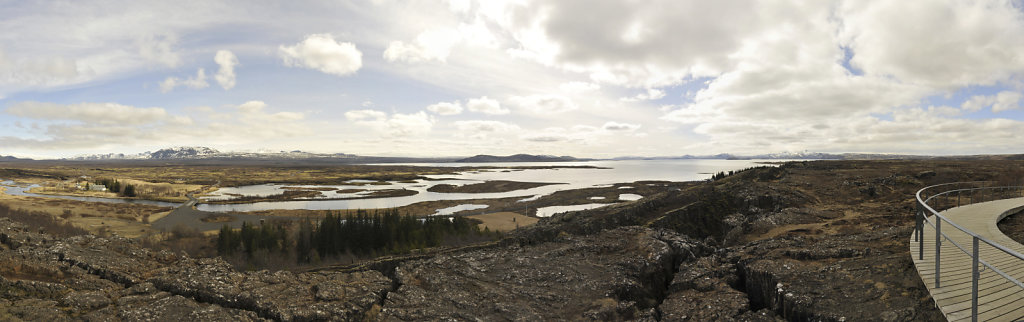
(124, 190)
(362, 234)
(251, 238)
(720, 175)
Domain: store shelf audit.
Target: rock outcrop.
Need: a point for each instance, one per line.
(617, 274)
(801, 242)
(92, 278)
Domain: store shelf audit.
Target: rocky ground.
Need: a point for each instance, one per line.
(808, 241)
(1013, 226)
(103, 279)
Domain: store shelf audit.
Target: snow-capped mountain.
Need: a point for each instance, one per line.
(199, 152)
(111, 156)
(184, 153)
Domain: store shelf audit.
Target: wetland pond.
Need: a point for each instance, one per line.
(599, 174)
(595, 174)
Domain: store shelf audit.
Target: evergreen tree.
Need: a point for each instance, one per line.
(129, 190)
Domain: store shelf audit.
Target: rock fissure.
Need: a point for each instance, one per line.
(765, 291)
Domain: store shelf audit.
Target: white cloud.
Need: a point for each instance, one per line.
(226, 73)
(1007, 100)
(395, 125)
(321, 52)
(430, 45)
(616, 126)
(459, 6)
(977, 102)
(1002, 101)
(196, 82)
(481, 129)
(32, 71)
(252, 107)
(446, 108)
(253, 115)
(158, 48)
(485, 126)
(651, 94)
(486, 105)
(943, 43)
(577, 134)
(365, 115)
(755, 76)
(545, 137)
(544, 104)
(90, 113)
(625, 44)
(691, 114)
(95, 125)
(584, 129)
(409, 124)
(578, 87)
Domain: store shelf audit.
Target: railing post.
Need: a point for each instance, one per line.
(974, 282)
(920, 232)
(920, 245)
(938, 248)
(916, 223)
(958, 198)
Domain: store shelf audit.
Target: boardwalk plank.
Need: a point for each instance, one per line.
(999, 299)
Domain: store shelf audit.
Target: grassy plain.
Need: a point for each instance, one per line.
(222, 173)
(160, 191)
(504, 221)
(128, 220)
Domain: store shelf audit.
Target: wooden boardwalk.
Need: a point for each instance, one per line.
(999, 299)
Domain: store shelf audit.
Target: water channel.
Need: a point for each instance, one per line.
(601, 174)
(605, 174)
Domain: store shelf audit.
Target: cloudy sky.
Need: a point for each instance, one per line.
(462, 77)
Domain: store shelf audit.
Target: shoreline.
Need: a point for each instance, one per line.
(388, 193)
(105, 196)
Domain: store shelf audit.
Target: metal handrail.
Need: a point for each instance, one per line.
(921, 219)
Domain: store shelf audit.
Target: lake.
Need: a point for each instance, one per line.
(609, 172)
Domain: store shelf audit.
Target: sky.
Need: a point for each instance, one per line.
(463, 77)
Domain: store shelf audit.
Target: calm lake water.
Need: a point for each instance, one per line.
(608, 173)
(611, 172)
(549, 211)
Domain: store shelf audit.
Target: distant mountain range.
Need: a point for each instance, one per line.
(10, 158)
(205, 153)
(519, 158)
(786, 156)
(184, 153)
(168, 153)
(199, 152)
